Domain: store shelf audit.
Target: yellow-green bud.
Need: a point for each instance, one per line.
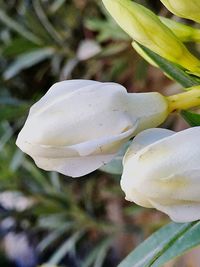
(147, 29)
(189, 9)
(184, 32)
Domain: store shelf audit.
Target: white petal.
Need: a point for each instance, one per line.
(90, 114)
(137, 197)
(151, 109)
(145, 138)
(132, 174)
(62, 88)
(74, 167)
(187, 212)
(183, 186)
(77, 160)
(103, 145)
(165, 157)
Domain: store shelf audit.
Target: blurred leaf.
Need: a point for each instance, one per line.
(13, 112)
(175, 72)
(95, 256)
(113, 49)
(6, 135)
(36, 27)
(102, 253)
(18, 46)
(158, 244)
(46, 23)
(36, 174)
(65, 248)
(53, 236)
(192, 118)
(107, 30)
(8, 100)
(56, 5)
(16, 160)
(14, 25)
(27, 60)
(53, 222)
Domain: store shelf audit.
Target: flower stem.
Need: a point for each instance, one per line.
(185, 100)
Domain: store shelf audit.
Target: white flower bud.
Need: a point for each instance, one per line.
(80, 125)
(162, 170)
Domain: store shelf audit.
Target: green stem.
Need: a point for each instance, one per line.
(183, 101)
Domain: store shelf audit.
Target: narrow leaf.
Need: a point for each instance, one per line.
(94, 255)
(185, 242)
(27, 60)
(14, 25)
(171, 69)
(155, 245)
(11, 112)
(192, 118)
(65, 248)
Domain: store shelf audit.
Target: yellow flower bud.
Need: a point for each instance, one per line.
(184, 32)
(147, 29)
(189, 9)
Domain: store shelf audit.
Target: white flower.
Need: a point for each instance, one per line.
(80, 125)
(162, 170)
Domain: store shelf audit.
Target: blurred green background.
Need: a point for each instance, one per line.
(46, 218)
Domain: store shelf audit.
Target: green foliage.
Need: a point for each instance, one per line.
(192, 118)
(173, 71)
(167, 243)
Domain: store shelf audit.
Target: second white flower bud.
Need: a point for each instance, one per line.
(162, 170)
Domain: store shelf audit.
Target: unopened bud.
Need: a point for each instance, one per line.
(147, 29)
(189, 9)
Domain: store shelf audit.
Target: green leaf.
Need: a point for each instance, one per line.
(96, 255)
(160, 243)
(192, 118)
(106, 30)
(115, 166)
(57, 4)
(11, 112)
(102, 254)
(46, 23)
(18, 46)
(185, 242)
(27, 60)
(14, 25)
(53, 236)
(175, 72)
(65, 248)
